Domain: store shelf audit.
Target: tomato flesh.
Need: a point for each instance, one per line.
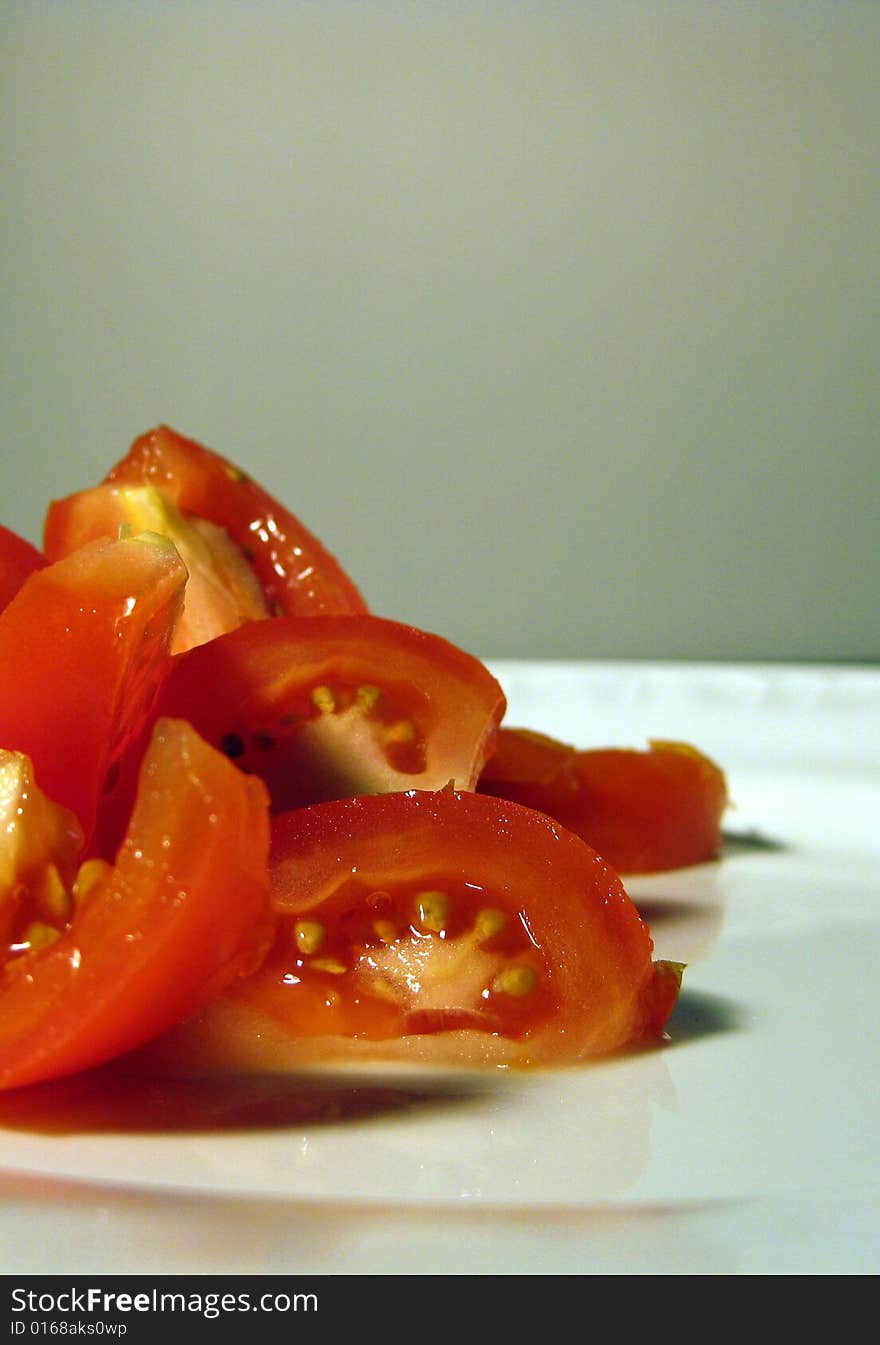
(645, 812)
(296, 572)
(83, 647)
(183, 911)
(222, 591)
(440, 926)
(331, 706)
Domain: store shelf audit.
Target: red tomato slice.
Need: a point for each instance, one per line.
(222, 590)
(183, 912)
(643, 811)
(444, 927)
(297, 574)
(329, 706)
(83, 647)
(18, 560)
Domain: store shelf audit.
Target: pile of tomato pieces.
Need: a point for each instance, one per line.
(246, 823)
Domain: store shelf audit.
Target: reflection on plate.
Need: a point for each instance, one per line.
(764, 1096)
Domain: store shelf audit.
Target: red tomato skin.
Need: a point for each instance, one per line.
(645, 812)
(521, 755)
(75, 521)
(184, 912)
(597, 950)
(84, 645)
(298, 574)
(18, 561)
(245, 680)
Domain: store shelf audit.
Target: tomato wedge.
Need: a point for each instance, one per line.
(183, 911)
(18, 560)
(329, 706)
(445, 927)
(83, 647)
(643, 811)
(296, 573)
(222, 590)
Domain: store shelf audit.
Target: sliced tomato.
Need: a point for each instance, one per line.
(296, 573)
(222, 590)
(83, 647)
(446, 927)
(18, 560)
(180, 915)
(329, 706)
(643, 811)
(521, 755)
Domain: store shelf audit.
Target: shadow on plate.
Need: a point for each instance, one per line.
(108, 1101)
(112, 1100)
(748, 842)
(698, 1014)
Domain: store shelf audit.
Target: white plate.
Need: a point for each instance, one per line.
(748, 1144)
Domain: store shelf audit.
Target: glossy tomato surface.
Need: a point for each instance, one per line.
(181, 914)
(18, 560)
(643, 811)
(83, 647)
(298, 575)
(445, 927)
(331, 706)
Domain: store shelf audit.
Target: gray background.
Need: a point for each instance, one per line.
(558, 323)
